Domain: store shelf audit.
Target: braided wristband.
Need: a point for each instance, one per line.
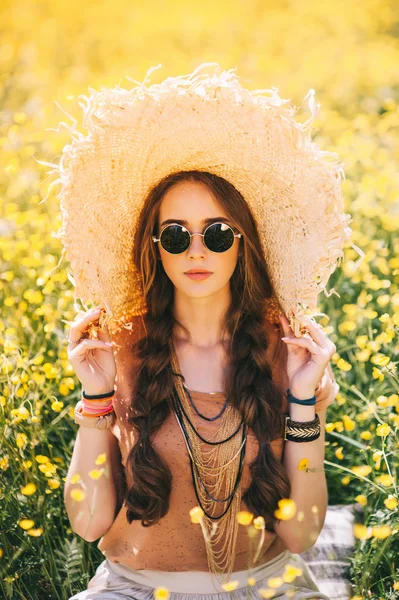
(302, 431)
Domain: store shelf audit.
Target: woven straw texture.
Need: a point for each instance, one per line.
(206, 121)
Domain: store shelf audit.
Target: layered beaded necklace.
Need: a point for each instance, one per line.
(222, 465)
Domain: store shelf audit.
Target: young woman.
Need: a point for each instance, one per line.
(208, 336)
(210, 427)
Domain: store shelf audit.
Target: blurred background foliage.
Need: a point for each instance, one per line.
(50, 53)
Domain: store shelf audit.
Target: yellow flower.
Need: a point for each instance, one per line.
(275, 582)
(54, 483)
(78, 495)
(366, 435)
(42, 459)
(96, 473)
(383, 429)
(346, 480)
(23, 413)
(361, 499)
(291, 572)
(362, 470)
(36, 532)
(48, 469)
(380, 359)
(259, 523)
(391, 502)
(349, 424)
(57, 405)
(363, 355)
(101, 458)
(28, 489)
(338, 453)
(393, 400)
(4, 463)
(244, 517)
(230, 586)
(303, 464)
(251, 581)
(286, 509)
(361, 341)
(377, 455)
(1, 552)
(382, 401)
(26, 524)
(161, 593)
(75, 478)
(21, 440)
(381, 531)
(385, 479)
(377, 374)
(63, 389)
(343, 365)
(346, 326)
(196, 514)
(361, 532)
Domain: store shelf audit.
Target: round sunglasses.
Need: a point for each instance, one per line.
(217, 237)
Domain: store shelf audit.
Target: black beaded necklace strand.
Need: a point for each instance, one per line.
(179, 409)
(199, 435)
(195, 408)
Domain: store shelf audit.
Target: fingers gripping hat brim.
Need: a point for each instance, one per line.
(205, 121)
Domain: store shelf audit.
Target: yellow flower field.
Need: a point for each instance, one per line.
(50, 53)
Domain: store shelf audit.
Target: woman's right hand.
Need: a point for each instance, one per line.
(92, 360)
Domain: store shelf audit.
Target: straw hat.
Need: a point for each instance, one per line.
(205, 121)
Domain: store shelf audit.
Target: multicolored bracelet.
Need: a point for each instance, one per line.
(95, 411)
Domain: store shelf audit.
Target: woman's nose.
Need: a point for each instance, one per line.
(197, 245)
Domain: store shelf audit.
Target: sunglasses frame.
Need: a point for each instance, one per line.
(155, 239)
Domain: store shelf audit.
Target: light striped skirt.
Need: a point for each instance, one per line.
(115, 581)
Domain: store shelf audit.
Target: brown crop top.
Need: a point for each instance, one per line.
(175, 543)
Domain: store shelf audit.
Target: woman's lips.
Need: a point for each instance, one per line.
(198, 276)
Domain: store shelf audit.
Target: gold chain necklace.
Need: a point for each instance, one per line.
(221, 537)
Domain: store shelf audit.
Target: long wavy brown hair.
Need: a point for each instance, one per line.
(249, 387)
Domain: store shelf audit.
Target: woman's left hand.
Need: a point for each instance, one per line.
(307, 357)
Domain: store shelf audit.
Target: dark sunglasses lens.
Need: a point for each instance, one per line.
(219, 237)
(175, 239)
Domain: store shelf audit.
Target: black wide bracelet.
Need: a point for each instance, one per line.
(302, 431)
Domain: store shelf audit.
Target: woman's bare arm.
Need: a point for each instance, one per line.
(93, 516)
